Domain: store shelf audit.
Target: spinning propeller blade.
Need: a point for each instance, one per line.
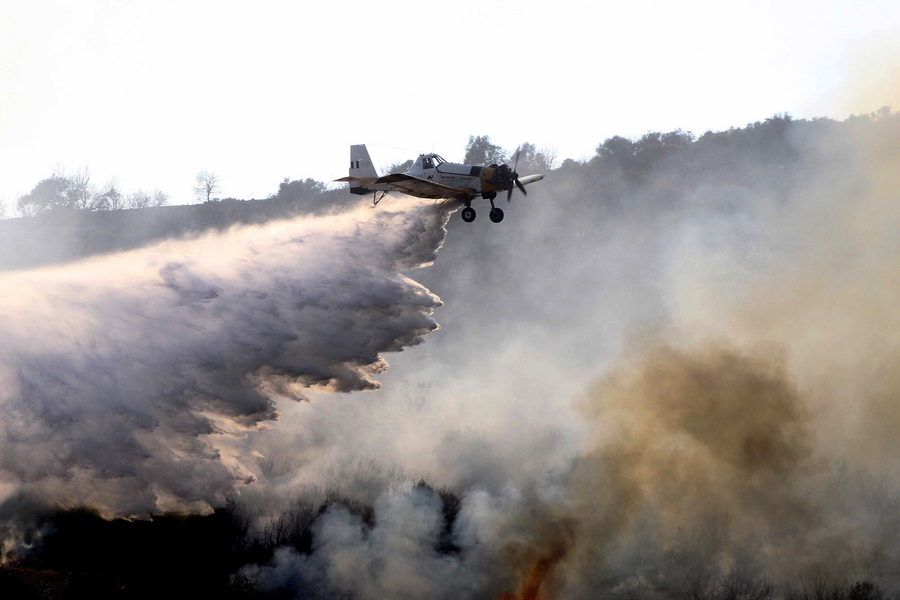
(515, 177)
(520, 186)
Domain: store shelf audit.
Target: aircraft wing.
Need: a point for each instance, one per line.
(407, 184)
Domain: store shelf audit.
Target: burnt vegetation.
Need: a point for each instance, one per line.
(76, 553)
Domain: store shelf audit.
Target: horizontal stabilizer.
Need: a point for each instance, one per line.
(359, 185)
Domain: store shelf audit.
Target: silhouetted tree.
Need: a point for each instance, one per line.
(532, 159)
(545, 159)
(47, 195)
(207, 184)
(617, 148)
(160, 198)
(301, 189)
(569, 164)
(399, 167)
(524, 154)
(654, 148)
(109, 198)
(480, 151)
(79, 193)
(142, 199)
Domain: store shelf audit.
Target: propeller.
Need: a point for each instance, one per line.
(515, 179)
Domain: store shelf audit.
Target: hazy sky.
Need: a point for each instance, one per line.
(153, 92)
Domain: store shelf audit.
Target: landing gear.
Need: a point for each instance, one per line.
(496, 213)
(468, 213)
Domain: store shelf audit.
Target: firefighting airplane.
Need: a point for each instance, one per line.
(433, 177)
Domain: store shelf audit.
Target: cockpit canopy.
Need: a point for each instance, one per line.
(429, 161)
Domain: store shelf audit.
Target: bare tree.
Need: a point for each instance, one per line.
(109, 197)
(527, 158)
(76, 191)
(160, 198)
(545, 159)
(144, 199)
(207, 184)
(80, 193)
(139, 199)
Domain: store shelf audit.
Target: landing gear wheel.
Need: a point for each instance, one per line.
(496, 215)
(468, 214)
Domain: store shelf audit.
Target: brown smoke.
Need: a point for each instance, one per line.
(825, 293)
(691, 441)
(717, 459)
(699, 421)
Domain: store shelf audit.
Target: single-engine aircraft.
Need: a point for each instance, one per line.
(433, 177)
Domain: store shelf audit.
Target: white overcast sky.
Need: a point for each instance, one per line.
(153, 92)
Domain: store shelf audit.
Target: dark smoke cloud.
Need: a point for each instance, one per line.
(128, 382)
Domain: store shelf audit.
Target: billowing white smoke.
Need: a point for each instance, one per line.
(742, 343)
(401, 555)
(125, 380)
(399, 559)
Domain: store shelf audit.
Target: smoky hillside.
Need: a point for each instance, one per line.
(776, 236)
(669, 372)
(65, 234)
(666, 373)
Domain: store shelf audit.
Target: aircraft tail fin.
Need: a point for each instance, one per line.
(362, 171)
(360, 163)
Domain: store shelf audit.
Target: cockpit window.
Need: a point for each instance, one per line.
(427, 163)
